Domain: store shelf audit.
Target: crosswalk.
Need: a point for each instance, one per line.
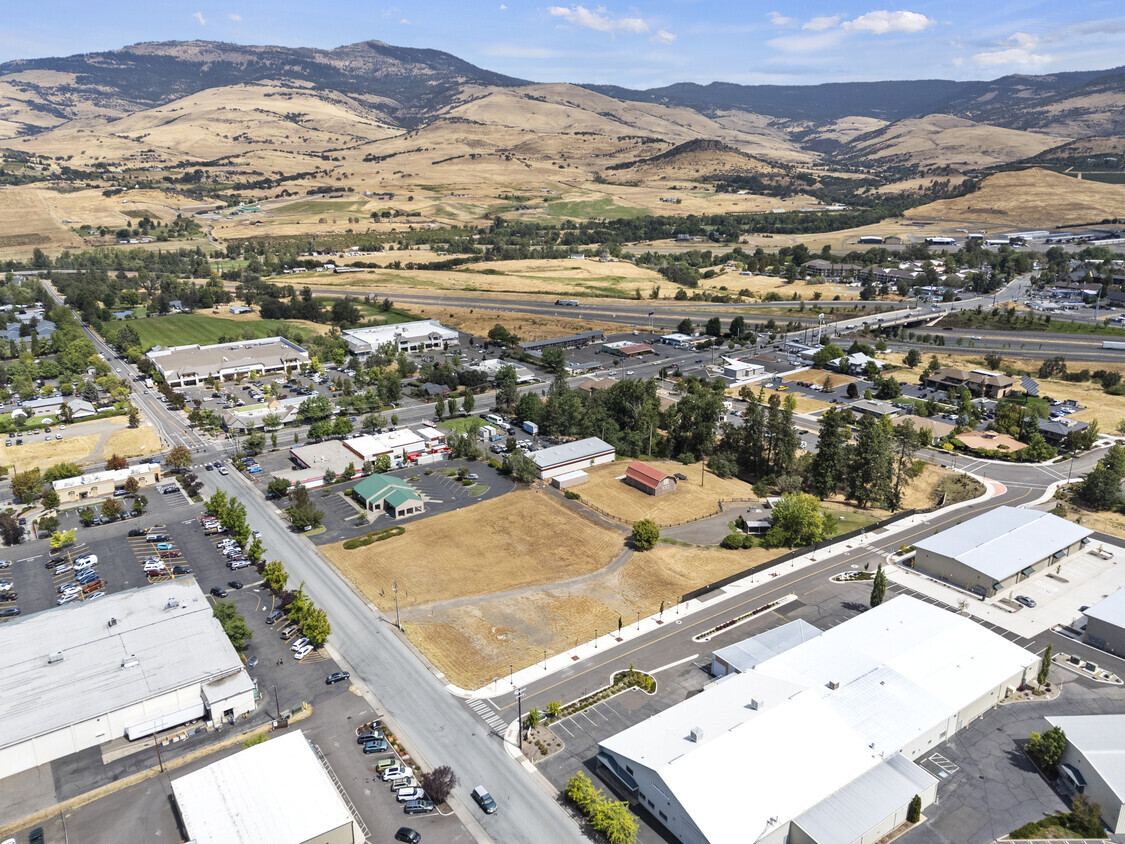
(488, 715)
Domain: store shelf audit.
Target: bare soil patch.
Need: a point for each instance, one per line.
(692, 499)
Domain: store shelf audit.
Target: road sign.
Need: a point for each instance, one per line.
(520, 692)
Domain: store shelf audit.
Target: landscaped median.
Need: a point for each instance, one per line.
(373, 537)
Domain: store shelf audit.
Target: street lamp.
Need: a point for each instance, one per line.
(519, 708)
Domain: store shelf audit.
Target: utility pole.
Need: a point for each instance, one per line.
(394, 589)
(519, 708)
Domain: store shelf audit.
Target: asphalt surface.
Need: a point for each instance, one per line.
(436, 727)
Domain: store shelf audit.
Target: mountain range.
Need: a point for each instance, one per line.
(203, 100)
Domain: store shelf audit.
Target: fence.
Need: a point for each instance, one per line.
(792, 555)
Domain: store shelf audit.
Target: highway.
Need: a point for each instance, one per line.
(435, 726)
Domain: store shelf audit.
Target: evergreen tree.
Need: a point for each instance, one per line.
(870, 465)
(827, 467)
(878, 587)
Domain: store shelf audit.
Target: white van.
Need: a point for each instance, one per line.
(86, 562)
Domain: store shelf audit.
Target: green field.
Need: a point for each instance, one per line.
(184, 329)
(592, 208)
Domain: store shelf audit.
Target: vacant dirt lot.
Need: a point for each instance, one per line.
(526, 326)
(691, 499)
(523, 539)
(475, 644)
(106, 438)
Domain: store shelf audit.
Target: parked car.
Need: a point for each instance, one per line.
(301, 653)
(85, 561)
(9, 612)
(405, 795)
(410, 836)
(394, 772)
(297, 643)
(218, 591)
(179, 570)
(365, 736)
(67, 597)
(164, 546)
(274, 616)
(170, 554)
(418, 807)
(234, 584)
(64, 568)
(1026, 601)
(375, 746)
(336, 677)
(138, 532)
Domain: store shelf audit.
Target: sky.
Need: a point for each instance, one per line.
(643, 44)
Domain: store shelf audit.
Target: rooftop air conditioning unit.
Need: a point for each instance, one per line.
(57, 656)
(833, 684)
(112, 622)
(697, 734)
(757, 703)
(172, 603)
(130, 661)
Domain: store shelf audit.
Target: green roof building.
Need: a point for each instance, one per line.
(391, 495)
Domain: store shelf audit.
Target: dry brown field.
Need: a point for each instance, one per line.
(113, 437)
(523, 539)
(692, 499)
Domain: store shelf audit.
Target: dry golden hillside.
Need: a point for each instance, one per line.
(942, 140)
(1029, 198)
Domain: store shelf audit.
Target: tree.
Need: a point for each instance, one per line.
(58, 540)
(60, 471)
(254, 444)
(507, 388)
(314, 409)
(140, 504)
(50, 499)
(582, 792)
(27, 485)
(439, 783)
(10, 529)
(234, 625)
(132, 485)
(382, 463)
(554, 360)
(827, 353)
(852, 390)
(685, 326)
(469, 402)
(521, 467)
(534, 718)
(830, 461)
(179, 458)
(714, 327)
(439, 407)
(111, 508)
(66, 415)
(302, 512)
(1086, 817)
(646, 533)
(870, 469)
(1047, 748)
(1044, 666)
(315, 626)
(912, 358)
(878, 587)
(614, 820)
(798, 521)
(116, 462)
(993, 360)
(1101, 489)
(275, 575)
(554, 707)
(278, 487)
(914, 811)
(256, 550)
(134, 417)
(217, 505)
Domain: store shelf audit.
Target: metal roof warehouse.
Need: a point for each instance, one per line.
(568, 457)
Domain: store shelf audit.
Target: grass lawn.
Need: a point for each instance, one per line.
(849, 520)
(184, 329)
(461, 424)
(591, 208)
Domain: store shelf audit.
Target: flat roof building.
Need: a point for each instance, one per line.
(183, 366)
(1093, 763)
(998, 549)
(572, 341)
(569, 457)
(814, 744)
(248, 798)
(99, 484)
(397, 445)
(404, 336)
(131, 664)
(874, 407)
(1105, 623)
(312, 461)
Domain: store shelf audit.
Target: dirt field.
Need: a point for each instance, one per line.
(924, 492)
(805, 404)
(475, 644)
(817, 376)
(690, 500)
(527, 326)
(111, 436)
(505, 543)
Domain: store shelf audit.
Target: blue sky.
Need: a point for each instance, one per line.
(639, 44)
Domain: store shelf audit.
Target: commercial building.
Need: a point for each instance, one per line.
(184, 366)
(1093, 763)
(874, 407)
(249, 798)
(814, 745)
(569, 457)
(100, 484)
(750, 653)
(312, 461)
(392, 495)
(1105, 623)
(414, 336)
(979, 382)
(130, 664)
(998, 549)
(627, 348)
(79, 408)
(399, 446)
(737, 372)
(572, 341)
(682, 341)
(649, 479)
(253, 416)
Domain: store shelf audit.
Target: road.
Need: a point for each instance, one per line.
(434, 725)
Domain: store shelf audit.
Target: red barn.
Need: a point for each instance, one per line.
(649, 479)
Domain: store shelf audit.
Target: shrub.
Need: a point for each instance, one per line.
(257, 738)
(732, 541)
(373, 537)
(646, 534)
(572, 495)
(914, 812)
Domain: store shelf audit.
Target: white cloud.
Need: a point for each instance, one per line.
(598, 19)
(822, 22)
(1023, 53)
(404, 21)
(503, 6)
(882, 22)
(663, 36)
(199, 17)
(237, 18)
(778, 19)
(806, 44)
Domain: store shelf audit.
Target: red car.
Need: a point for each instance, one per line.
(170, 554)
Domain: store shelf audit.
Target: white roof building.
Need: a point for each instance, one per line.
(819, 716)
(249, 798)
(394, 444)
(404, 336)
(998, 549)
(186, 365)
(1105, 623)
(1094, 762)
(116, 476)
(314, 459)
(569, 457)
(130, 664)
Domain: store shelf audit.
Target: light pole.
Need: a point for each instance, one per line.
(638, 621)
(394, 589)
(595, 638)
(519, 708)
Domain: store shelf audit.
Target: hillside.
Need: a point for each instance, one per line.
(943, 140)
(1026, 199)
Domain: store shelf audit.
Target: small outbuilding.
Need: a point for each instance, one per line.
(392, 495)
(649, 479)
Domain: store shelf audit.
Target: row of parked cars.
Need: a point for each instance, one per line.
(397, 775)
(86, 585)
